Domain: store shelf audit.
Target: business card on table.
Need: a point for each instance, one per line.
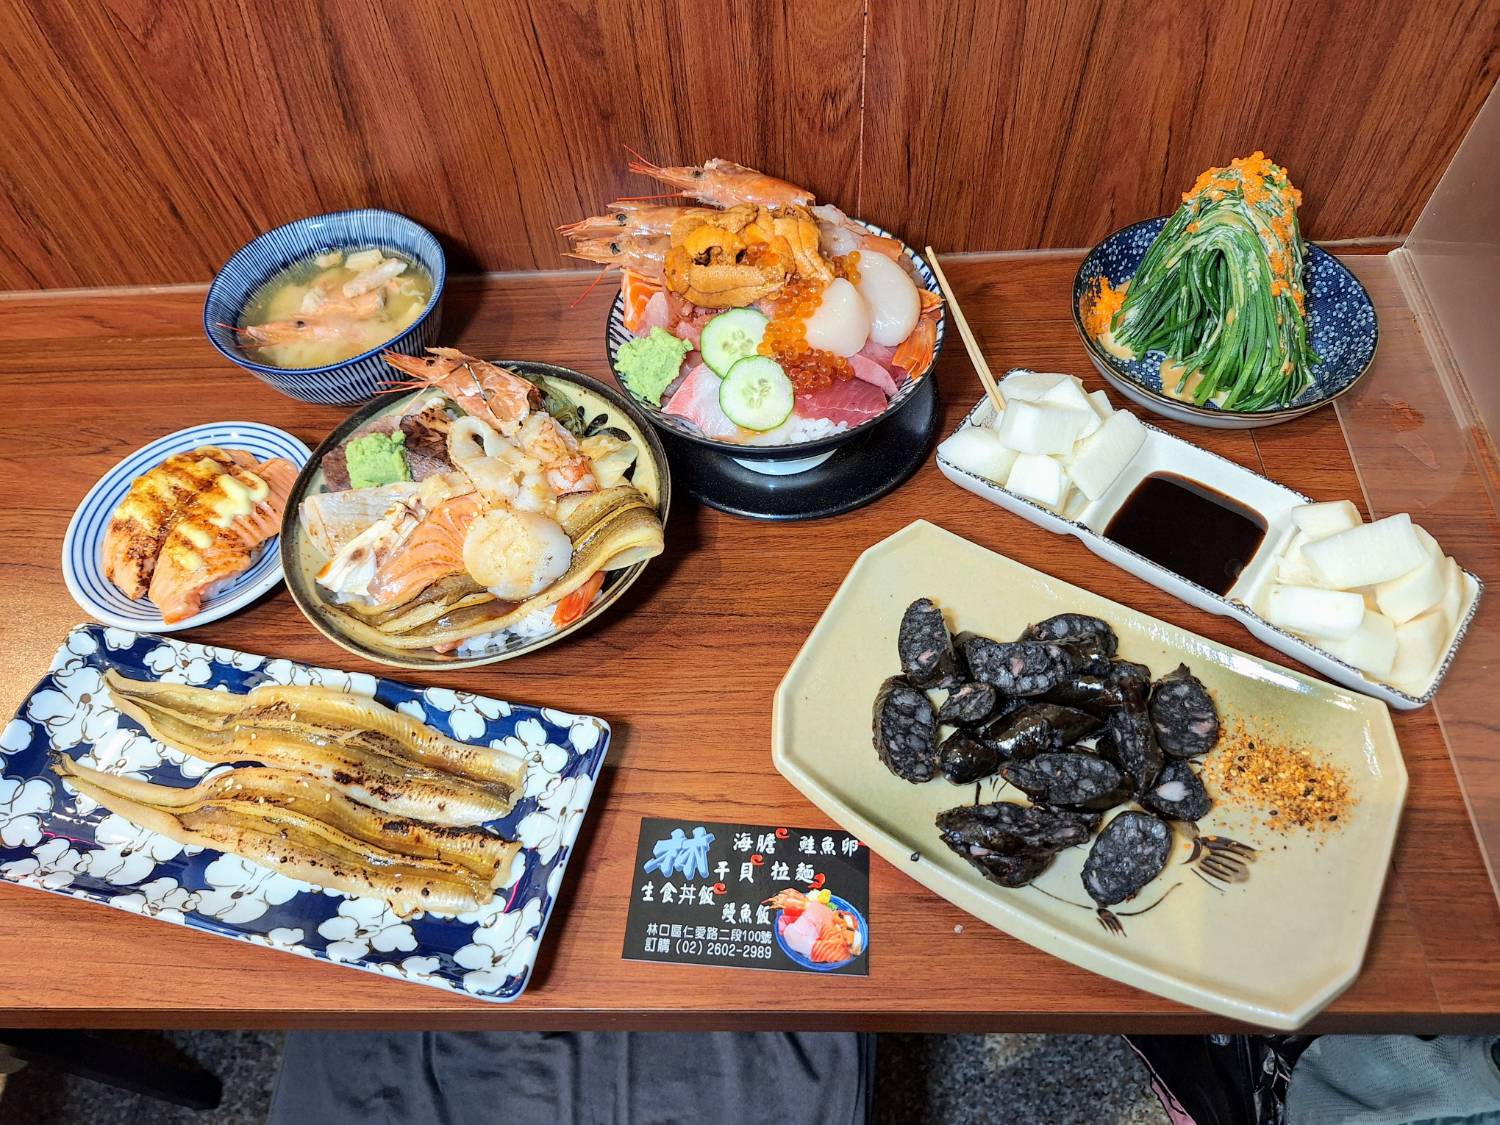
(750, 896)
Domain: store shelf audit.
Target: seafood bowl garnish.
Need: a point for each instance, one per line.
(753, 321)
(349, 381)
(480, 511)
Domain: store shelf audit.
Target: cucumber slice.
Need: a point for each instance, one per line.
(756, 394)
(730, 337)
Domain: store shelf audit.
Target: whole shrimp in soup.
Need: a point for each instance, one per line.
(483, 389)
(726, 184)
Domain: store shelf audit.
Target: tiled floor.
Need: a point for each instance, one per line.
(922, 1080)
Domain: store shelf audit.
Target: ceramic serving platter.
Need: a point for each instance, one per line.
(82, 565)
(55, 841)
(1244, 601)
(1271, 950)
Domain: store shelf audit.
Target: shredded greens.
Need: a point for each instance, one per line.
(1220, 291)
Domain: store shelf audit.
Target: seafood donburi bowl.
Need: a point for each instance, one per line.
(480, 511)
(755, 322)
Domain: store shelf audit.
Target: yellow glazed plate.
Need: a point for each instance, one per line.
(1271, 950)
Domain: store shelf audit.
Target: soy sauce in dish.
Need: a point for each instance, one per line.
(1189, 528)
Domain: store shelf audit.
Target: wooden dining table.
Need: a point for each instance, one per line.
(684, 669)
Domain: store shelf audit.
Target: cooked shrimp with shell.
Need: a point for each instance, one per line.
(484, 505)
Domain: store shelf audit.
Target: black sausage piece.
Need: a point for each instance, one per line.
(969, 704)
(1183, 714)
(1097, 694)
(1178, 793)
(1005, 828)
(1037, 727)
(964, 758)
(1068, 779)
(905, 730)
(1130, 852)
(1073, 628)
(1007, 870)
(1024, 668)
(926, 650)
(1131, 743)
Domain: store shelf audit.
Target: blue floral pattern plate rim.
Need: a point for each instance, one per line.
(1341, 317)
(55, 841)
(82, 567)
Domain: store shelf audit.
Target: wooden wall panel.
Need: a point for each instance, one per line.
(1051, 123)
(142, 142)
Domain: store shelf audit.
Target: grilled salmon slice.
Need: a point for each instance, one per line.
(434, 550)
(216, 536)
(156, 500)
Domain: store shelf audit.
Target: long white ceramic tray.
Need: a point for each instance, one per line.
(1162, 452)
(1271, 947)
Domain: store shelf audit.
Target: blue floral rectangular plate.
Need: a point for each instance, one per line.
(59, 842)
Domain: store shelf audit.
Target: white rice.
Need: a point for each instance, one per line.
(799, 429)
(537, 623)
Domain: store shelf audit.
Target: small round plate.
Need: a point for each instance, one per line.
(82, 566)
(302, 560)
(1340, 320)
(858, 472)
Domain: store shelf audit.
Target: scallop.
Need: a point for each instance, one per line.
(516, 554)
(841, 322)
(892, 296)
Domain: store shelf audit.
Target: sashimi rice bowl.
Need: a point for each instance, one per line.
(753, 319)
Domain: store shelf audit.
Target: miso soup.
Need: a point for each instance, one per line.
(332, 306)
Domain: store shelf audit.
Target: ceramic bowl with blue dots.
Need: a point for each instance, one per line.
(359, 378)
(1340, 321)
(82, 562)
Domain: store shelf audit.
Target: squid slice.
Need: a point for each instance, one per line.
(300, 847)
(481, 853)
(324, 716)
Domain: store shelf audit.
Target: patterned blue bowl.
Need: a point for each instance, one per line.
(1340, 320)
(354, 380)
(824, 966)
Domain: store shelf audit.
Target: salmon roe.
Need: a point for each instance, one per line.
(809, 369)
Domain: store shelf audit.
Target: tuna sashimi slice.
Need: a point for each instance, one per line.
(873, 373)
(852, 401)
(886, 357)
(697, 400)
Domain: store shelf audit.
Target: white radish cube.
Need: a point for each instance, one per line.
(1429, 544)
(1413, 593)
(1455, 592)
(1371, 648)
(1070, 396)
(1420, 644)
(1291, 566)
(1028, 386)
(979, 450)
(1319, 521)
(1366, 555)
(1101, 457)
(1101, 404)
(364, 259)
(1323, 614)
(1038, 477)
(1035, 427)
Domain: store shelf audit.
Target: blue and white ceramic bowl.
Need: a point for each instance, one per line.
(353, 380)
(82, 565)
(1340, 320)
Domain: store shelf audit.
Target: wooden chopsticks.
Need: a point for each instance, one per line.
(975, 355)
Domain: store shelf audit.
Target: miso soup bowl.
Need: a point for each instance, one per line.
(358, 378)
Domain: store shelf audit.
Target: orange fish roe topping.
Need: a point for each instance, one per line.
(1100, 314)
(1286, 782)
(785, 341)
(847, 267)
